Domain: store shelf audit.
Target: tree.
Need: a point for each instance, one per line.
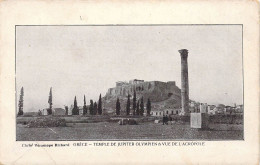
(50, 102)
(118, 107)
(128, 105)
(142, 107)
(148, 107)
(134, 102)
(20, 105)
(95, 108)
(100, 105)
(149, 86)
(85, 107)
(39, 112)
(137, 108)
(91, 107)
(67, 110)
(75, 110)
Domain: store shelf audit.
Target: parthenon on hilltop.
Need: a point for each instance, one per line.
(155, 90)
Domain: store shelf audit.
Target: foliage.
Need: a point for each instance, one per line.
(85, 110)
(100, 105)
(148, 107)
(142, 107)
(20, 105)
(128, 105)
(118, 107)
(91, 108)
(134, 102)
(50, 102)
(49, 111)
(67, 110)
(75, 110)
(95, 108)
(39, 113)
(137, 108)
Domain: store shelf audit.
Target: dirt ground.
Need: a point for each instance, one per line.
(113, 131)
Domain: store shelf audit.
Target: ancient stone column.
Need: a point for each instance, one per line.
(184, 82)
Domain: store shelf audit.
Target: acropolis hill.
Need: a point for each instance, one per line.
(161, 94)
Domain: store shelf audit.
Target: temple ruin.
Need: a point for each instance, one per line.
(184, 82)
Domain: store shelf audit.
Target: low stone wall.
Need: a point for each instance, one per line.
(226, 119)
(85, 119)
(214, 119)
(180, 118)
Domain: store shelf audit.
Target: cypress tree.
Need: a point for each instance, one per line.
(95, 108)
(100, 105)
(91, 107)
(118, 107)
(134, 102)
(67, 110)
(148, 107)
(85, 107)
(20, 105)
(128, 105)
(137, 108)
(50, 102)
(142, 107)
(75, 110)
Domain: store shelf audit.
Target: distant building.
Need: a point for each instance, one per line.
(203, 108)
(171, 111)
(59, 112)
(155, 90)
(211, 109)
(228, 110)
(135, 81)
(121, 83)
(160, 113)
(80, 110)
(193, 106)
(156, 113)
(239, 109)
(70, 110)
(44, 112)
(220, 108)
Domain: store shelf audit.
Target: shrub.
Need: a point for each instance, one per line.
(47, 122)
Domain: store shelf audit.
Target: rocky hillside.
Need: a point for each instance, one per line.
(162, 95)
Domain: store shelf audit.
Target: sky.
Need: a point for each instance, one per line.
(87, 60)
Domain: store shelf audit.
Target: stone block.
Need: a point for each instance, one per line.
(199, 120)
(157, 121)
(203, 108)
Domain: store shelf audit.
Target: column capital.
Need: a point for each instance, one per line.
(184, 53)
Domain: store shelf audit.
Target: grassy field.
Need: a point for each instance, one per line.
(113, 131)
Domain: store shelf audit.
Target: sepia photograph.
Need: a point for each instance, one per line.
(151, 82)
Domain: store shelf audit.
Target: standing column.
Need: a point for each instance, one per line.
(184, 82)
